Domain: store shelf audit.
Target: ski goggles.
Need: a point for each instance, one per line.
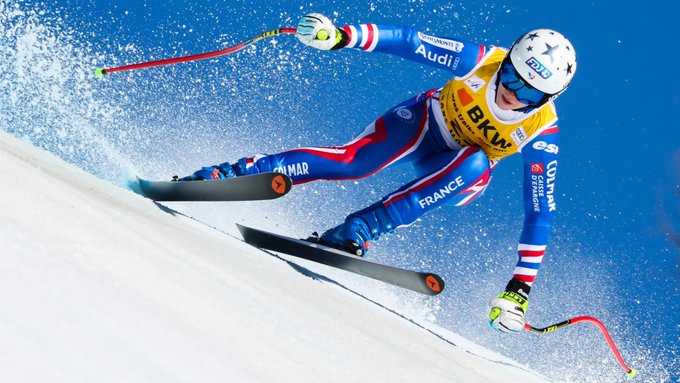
(524, 92)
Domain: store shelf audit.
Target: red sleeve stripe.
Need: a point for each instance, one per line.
(482, 52)
(352, 34)
(348, 32)
(528, 279)
(371, 38)
(529, 253)
(551, 130)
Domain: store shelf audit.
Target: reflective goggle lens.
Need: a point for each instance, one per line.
(524, 92)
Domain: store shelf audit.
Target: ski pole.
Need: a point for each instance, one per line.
(630, 372)
(100, 72)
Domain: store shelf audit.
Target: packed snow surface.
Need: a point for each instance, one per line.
(101, 285)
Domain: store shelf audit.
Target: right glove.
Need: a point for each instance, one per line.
(509, 307)
(318, 31)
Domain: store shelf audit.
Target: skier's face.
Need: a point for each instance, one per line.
(506, 99)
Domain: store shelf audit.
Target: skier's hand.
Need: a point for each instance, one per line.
(508, 310)
(318, 31)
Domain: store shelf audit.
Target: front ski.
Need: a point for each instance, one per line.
(261, 186)
(424, 283)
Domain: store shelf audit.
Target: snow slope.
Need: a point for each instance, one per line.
(100, 285)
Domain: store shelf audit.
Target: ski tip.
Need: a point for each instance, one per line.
(246, 232)
(632, 373)
(434, 283)
(134, 185)
(242, 229)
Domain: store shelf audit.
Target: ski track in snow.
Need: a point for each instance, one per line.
(296, 264)
(117, 128)
(104, 285)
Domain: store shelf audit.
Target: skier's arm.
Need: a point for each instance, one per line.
(455, 55)
(540, 172)
(452, 54)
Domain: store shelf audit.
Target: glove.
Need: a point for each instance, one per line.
(509, 307)
(318, 31)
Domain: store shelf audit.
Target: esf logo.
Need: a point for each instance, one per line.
(546, 147)
(538, 67)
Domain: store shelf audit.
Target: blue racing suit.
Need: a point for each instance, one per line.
(416, 132)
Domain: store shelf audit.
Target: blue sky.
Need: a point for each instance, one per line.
(618, 123)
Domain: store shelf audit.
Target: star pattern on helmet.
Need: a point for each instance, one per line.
(570, 68)
(532, 36)
(530, 48)
(550, 51)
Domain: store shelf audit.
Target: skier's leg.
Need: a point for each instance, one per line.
(461, 179)
(396, 136)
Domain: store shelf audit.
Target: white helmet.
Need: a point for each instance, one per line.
(545, 59)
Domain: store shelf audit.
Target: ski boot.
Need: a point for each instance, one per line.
(210, 173)
(341, 239)
(353, 236)
(244, 166)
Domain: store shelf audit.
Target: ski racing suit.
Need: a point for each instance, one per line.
(453, 135)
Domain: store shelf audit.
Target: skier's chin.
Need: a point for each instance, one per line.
(505, 99)
(502, 102)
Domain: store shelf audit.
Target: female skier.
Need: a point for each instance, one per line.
(499, 103)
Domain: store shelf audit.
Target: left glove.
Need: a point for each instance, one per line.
(509, 307)
(318, 31)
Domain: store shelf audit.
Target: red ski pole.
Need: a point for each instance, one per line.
(100, 72)
(630, 372)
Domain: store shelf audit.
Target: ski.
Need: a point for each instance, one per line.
(422, 282)
(261, 186)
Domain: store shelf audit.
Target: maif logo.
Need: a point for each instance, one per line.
(538, 67)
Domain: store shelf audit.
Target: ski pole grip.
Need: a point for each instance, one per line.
(99, 72)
